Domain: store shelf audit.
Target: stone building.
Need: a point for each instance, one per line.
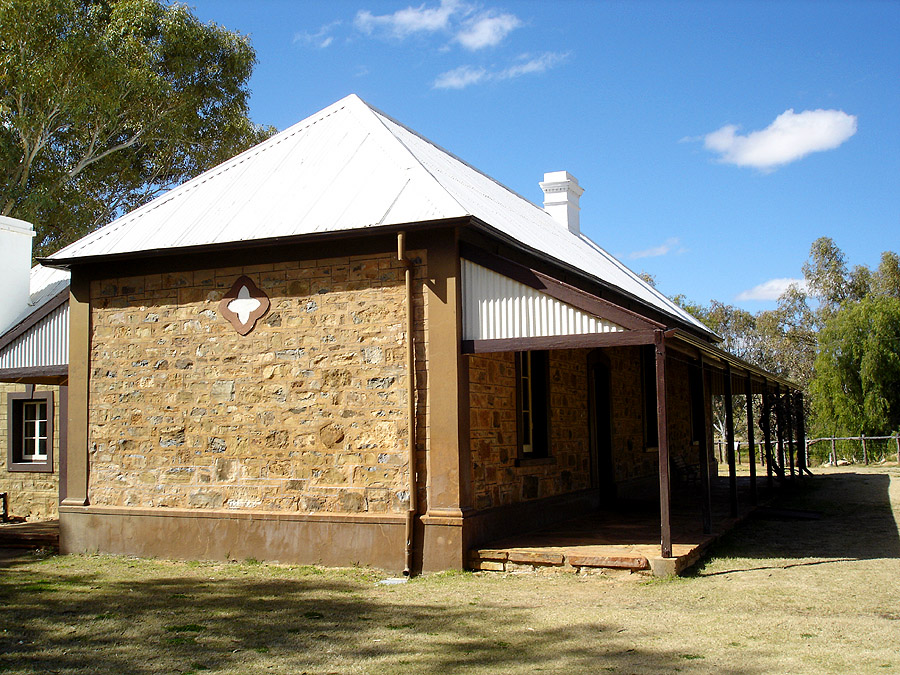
(346, 345)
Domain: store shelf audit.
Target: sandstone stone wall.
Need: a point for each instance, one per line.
(492, 393)
(635, 465)
(34, 496)
(492, 386)
(306, 413)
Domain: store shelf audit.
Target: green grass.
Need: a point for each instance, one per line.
(776, 596)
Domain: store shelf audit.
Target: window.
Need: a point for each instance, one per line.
(648, 386)
(30, 431)
(533, 394)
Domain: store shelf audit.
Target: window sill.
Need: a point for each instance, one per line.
(534, 461)
(30, 467)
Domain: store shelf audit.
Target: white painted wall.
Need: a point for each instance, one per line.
(15, 268)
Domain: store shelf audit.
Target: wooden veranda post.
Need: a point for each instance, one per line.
(801, 436)
(705, 489)
(789, 419)
(729, 443)
(779, 428)
(751, 440)
(663, 441)
(766, 421)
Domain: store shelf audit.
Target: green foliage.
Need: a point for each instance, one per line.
(838, 340)
(106, 103)
(857, 384)
(826, 274)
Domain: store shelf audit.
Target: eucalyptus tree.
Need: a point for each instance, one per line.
(106, 103)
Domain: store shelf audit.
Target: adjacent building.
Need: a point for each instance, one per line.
(34, 356)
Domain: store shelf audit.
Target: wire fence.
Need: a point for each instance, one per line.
(854, 450)
(828, 451)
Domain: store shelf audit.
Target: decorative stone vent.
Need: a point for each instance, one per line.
(244, 305)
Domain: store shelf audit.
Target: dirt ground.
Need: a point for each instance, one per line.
(781, 594)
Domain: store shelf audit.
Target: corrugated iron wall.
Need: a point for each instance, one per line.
(496, 307)
(45, 344)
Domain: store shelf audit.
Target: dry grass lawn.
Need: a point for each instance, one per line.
(778, 596)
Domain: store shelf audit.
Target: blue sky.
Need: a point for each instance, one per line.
(714, 140)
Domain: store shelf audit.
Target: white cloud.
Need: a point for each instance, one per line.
(771, 289)
(405, 22)
(671, 244)
(462, 77)
(321, 39)
(454, 17)
(789, 138)
(537, 64)
(487, 30)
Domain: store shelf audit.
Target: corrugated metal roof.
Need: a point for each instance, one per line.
(349, 166)
(40, 334)
(45, 283)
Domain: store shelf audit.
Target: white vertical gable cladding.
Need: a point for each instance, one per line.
(497, 307)
(44, 344)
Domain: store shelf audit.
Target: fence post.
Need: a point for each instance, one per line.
(865, 452)
(897, 439)
(833, 453)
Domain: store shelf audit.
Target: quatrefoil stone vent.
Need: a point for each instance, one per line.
(244, 305)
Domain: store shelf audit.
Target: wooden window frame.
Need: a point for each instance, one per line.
(17, 403)
(533, 405)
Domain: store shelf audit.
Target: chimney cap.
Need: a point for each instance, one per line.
(16, 225)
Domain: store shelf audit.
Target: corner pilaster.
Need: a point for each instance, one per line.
(449, 488)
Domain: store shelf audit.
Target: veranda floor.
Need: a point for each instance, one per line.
(623, 536)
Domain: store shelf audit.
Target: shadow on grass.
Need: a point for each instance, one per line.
(857, 523)
(62, 620)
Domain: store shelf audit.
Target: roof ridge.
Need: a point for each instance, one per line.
(381, 125)
(444, 150)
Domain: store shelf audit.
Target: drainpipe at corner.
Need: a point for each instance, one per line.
(411, 407)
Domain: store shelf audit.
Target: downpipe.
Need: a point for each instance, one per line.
(411, 408)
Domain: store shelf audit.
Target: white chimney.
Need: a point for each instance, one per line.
(15, 269)
(561, 194)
